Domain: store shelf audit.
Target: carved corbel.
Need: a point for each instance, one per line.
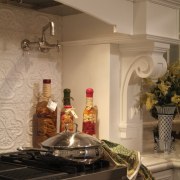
(147, 61)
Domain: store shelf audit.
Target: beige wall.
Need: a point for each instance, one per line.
(21, 73)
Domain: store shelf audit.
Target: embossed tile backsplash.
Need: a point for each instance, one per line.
(21, 74)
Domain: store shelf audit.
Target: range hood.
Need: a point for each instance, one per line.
(46, 6)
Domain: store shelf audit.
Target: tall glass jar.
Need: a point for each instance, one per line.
(45, 119)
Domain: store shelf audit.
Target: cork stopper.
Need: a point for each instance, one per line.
(46, 88)
(46, 81)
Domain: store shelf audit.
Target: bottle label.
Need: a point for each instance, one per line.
(51, 105)
(71, 110)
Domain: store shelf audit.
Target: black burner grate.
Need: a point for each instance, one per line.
(8, 166)
(51, 162)
(30, 173)
(37, 166)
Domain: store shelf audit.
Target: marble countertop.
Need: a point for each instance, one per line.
(160, 161)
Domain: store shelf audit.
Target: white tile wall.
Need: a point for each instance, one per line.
(21, 74)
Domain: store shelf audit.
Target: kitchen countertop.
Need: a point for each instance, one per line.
(160, 161)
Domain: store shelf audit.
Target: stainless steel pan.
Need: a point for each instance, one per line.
(73, 146)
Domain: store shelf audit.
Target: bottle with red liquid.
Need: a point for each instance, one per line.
(89, 114)
(66, 115)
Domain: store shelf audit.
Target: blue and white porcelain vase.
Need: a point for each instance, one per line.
(165, 118)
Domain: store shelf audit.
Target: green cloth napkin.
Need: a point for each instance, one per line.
(122, 156)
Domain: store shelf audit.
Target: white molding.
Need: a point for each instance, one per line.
(107, 39)
(168, 3)
(117, 38)
(157, 38)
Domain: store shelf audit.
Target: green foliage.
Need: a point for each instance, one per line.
(164, 91)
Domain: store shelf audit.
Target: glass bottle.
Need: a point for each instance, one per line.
(89, 114)
(45, 119)
(66, 116)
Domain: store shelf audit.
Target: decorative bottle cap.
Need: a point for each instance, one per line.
(67, 92)
(89, 92)
(46, 81)
(67, 97)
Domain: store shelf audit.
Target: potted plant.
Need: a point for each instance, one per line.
(164, 91)
(162, 98)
